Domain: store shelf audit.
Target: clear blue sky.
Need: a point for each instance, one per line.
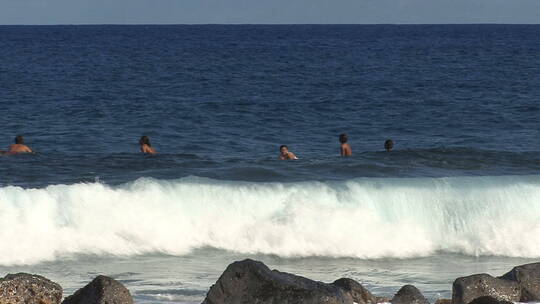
(267, 11)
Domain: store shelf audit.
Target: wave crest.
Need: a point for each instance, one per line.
(361, 218)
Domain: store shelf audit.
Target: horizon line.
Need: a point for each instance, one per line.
(264, 24)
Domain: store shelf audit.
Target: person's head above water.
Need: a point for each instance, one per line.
(284, 153)
(19, 140)
(388, 145)
(146, 147)
(345, 147)
(343, 138)
(19, 146)
(144, 141)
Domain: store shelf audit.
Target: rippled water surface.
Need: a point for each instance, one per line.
(217, 101)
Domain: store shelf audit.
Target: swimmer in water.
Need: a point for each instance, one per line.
(345, 147)
(388, 145)
(284, 153)
(19, 146)
(146, 147)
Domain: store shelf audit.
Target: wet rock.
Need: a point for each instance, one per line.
(467, 289)
(489, 300)
(249, 282)
(383, 300)
(443, 301)
(29, 289)
(409, 294)
(356, 291)
(528, 278)
(102, 290)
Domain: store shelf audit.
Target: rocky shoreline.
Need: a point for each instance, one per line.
(252, 282)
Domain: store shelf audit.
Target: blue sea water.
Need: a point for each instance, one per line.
(461, 187)
(217, 101)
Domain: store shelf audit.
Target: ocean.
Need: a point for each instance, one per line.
(459, 194)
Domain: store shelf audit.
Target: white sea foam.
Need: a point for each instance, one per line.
(363, 218)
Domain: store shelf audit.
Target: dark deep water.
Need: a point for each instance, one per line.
(217, 101)
(459, 195)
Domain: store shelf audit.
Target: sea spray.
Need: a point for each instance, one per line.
(361, 218)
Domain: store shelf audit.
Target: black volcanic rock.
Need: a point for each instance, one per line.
(357, 292)
(252, 282)
(488, 300)
(467, 289)
(528, 278)
(102, 290)
(409, 294)
(29, 289)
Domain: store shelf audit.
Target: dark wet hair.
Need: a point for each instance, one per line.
(283, 146)
(145, 140)
(343, 138)
(19, 140)
(388, 144)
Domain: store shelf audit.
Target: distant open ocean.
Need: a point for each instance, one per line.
(460, 194)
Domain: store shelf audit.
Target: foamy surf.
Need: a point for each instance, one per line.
(362, 218)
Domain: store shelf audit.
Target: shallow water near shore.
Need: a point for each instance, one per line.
(186, 279)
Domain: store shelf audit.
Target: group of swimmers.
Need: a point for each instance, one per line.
(345, 148)
(146, 147)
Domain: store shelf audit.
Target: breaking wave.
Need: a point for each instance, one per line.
(361, 218)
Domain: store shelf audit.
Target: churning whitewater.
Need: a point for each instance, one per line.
(360, 218)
